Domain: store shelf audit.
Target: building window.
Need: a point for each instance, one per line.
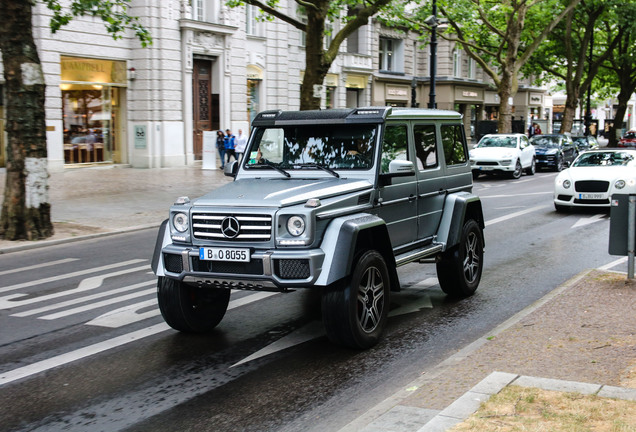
(197, 10)
(330, 100)
(328, 34)
(457, 63)
(253, 99)
(386, 54)
(472, 68)
(253, 27)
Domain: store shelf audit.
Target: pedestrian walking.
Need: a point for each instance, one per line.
(220, 146)
(241, 144)
(230, 144)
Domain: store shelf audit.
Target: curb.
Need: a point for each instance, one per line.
(45, 243)
(372, 419)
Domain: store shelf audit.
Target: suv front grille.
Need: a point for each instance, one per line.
(292, 268)
(243, 227)
(254, 267)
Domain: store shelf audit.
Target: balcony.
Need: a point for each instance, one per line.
(358, 63)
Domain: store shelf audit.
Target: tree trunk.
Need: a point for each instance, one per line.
(315, 67)
(26, 211)
(505, 91)
(571, 102)
(623, 98)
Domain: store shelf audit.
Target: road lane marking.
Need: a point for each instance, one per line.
(586, 221)
(63, 359)
(38, 266)
(126, 315)
(516, 195)
(514, 215)
(69, 275)
(84, 299)
(613, 263)
(8, 302)
(108, 302)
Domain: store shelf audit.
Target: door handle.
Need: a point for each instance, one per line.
(412, 198)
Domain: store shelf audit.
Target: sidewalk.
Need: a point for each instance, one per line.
(582, 333)
(106, 199)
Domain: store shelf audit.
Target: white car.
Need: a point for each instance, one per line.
(509, 154)
(593, 177)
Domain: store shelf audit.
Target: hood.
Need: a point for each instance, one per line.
(278, 192)
(492, 152)
(545, 151)
(609, 173)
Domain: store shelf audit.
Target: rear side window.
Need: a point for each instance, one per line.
(453, 143)
(425, 146)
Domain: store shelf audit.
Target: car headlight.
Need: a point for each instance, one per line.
(565, 183)
(620, 184)
(180, 222)
(296, 226)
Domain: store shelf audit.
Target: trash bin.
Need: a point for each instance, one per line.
(619, 224)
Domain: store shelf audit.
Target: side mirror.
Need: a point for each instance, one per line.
(231, 169)
(403, 167)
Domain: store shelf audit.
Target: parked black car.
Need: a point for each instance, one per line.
(555, 151)
(585, 143)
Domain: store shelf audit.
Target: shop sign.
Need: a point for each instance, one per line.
(469, 94)
(331, 80)
(356, 81)
(397, 92)
(535, 99)
(140, 136)
(78, 69)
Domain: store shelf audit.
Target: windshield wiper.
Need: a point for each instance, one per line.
(315, 165)
(265, 163)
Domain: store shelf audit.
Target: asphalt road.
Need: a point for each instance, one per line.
(83, 346)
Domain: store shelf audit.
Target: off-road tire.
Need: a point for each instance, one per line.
(459, 270)
(355, 311)
(190, 309)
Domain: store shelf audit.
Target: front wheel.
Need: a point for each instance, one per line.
(190, 309)
(459, 270)
(355, 312)
(517, 172)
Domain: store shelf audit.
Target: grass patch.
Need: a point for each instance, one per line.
(530, 409)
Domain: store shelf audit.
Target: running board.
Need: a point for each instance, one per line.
(417, 254)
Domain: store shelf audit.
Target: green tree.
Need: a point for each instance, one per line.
(319, 13)
(26, 210)
(565, 54)
(621, 63)
(500, 36)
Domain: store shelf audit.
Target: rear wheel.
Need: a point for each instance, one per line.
(190, 309)
(459, 270)
(355, 312)
(532, 168)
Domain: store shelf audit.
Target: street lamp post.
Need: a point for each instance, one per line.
(588, 108)
(432, 22)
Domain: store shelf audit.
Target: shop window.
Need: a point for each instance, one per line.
(253, 99)
(330, 99)
(425, 146)
(453, 143)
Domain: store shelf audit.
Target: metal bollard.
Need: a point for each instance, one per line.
(631, 222)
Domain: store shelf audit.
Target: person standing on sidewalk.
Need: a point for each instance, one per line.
(220, 146)
(230, 144)
(241, 144)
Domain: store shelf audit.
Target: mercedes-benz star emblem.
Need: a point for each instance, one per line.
(230, 227)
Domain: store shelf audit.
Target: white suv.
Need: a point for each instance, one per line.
(503, 154)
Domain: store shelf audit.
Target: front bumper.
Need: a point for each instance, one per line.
(485, 166)
(267, 270)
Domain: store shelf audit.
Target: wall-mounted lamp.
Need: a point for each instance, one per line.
(132, 74)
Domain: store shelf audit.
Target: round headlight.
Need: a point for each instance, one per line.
(566, 184)
(180, 222)
(296, 225)
(620, 184)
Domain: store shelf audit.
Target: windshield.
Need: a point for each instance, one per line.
(609, 158)
(313, 146)
(544, 141)
(510, 142)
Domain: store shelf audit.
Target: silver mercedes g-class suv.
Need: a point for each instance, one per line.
(334, 200)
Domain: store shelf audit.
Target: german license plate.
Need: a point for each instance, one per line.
(591, 196)
(224, 254)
